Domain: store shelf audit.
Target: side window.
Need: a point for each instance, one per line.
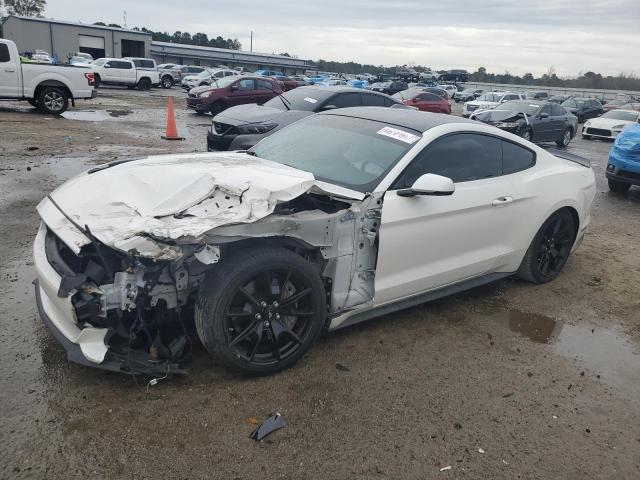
(147, 64)
(264, 85)
(246, 84)
(429, 97)
(228, 73)
(389, 101)
(516, 158)
(121, 65)
(219, 74)
(4, 53)
(462, 157)
(547, 109)
(373, 100)
(344, 100)
(557, 110)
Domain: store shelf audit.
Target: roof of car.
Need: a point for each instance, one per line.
(340, 88)
(407, 118)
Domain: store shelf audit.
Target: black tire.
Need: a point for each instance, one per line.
(617, 186)
(550, 248)
(236, 309)
(144, 84)
(217, 107)
(96, 80)
(53, 100)
(33, 102)
(526, 134)
(563, 142)
(131, 87)
(167, 81)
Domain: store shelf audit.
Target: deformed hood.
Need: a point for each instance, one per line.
(493, 116)
(133, 205)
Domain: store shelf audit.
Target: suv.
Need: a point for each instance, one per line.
(206, 77)
(118, 71)
(173, 75)
(230, 91)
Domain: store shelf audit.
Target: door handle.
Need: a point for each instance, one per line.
(502, 201)
(9, 70)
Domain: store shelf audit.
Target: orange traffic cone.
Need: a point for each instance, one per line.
(172, 131)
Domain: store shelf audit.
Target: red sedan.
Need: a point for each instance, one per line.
(424, 101)
(286, 83)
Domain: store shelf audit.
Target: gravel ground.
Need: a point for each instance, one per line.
(509, 380)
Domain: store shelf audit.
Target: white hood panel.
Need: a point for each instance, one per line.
(171, 197)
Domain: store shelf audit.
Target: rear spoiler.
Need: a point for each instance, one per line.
(569, 156)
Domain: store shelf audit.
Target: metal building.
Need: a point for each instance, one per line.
(63, 39)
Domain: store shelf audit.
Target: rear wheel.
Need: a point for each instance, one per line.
(550, 248)
(53, 100)
(565, 139)
(167, 81)
(260, 311)
(144, 84)
(618, 186)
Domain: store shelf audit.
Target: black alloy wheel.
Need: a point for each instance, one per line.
(565, 139)
(550, 248)
(167, 81)
(260, 311)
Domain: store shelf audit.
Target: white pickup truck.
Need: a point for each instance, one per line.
(120, 71)
(47, 87)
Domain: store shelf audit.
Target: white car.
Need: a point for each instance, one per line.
(450, 89)
(206, 77)
(488, 101)
(343, 216)
(118, 71)
(609, 124)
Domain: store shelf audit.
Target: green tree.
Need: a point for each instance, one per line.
(27, 8)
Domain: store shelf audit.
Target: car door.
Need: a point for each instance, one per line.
(543, 126)
(265, 90)
(427, 242)
(559, 116)
(127, 71)
(242, 91)
(9, 74)
(110, 72)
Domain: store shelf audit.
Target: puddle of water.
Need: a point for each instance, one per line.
(608, 352)
(95, 115)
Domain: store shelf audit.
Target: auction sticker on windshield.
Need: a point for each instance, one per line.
(310, 100)
(401, 135)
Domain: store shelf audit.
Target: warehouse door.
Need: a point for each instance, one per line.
(132, 48)
(94, 46)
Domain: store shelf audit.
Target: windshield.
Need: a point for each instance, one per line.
(99, 61)
(223, 82)
(205, 73)
(573, 103)
(524, 107)
(351, 152)
(490, 97)
(621, 115)
(306, 99)
(617, 101)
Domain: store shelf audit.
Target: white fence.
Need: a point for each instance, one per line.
(581, 92)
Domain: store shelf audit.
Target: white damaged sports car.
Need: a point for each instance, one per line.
(340, 217)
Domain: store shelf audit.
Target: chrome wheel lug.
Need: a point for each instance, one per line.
(277, 316)
(258, 316)
(263, 304)
(275, 304)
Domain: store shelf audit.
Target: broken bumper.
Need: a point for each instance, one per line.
(84, 345)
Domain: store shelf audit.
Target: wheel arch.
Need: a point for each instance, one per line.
(52, 83)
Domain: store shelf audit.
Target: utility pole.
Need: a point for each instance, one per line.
(124, 16)
(251, 48)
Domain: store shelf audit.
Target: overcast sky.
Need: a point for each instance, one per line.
(570, 35)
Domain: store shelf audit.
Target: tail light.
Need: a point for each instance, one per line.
(90, 78)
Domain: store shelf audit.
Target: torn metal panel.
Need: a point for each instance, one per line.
(147, 204)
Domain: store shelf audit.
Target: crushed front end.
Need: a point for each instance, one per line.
(116, 311)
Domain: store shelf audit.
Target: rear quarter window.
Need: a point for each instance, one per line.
(516, 158)
(4, 53)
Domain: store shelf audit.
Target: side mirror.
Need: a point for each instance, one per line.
(235, 87)
(429, 184)
(106, 65)
(544, 115)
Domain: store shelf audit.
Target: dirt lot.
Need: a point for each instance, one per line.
(506, 381)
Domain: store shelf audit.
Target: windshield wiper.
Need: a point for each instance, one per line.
(284, 101)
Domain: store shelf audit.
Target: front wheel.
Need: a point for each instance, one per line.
(617, 186)
(550, 248)
(259, 311)
(565, 139)
(53, 100)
